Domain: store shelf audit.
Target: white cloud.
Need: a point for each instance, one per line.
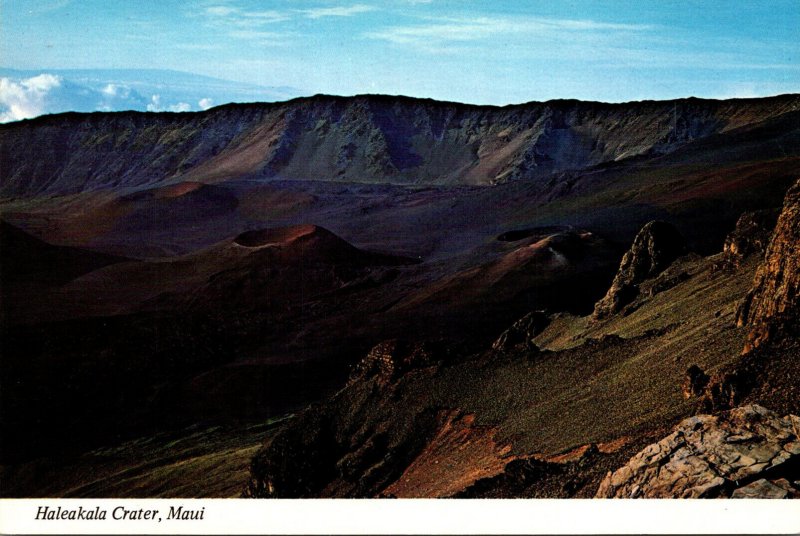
(229, 15)
(205, 103)
(155, 104)
(196, 46)
(25, 98)
(116, 90)
(254, 35)
(264, 17)
(448, 30)
(339, 11)
(180, 107)
(243, 24)
(43, 82)
(221, 11)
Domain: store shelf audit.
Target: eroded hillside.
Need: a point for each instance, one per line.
(550, 409)
(374, 139)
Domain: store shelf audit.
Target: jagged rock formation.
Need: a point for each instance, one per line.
(725, 389)
(356, 139)
(750, 236)
(715, 456)
(389, 359)
(752, 233)
(768, 369)
(771, 309)
(656, 246)
(522, 332)
(773, 304)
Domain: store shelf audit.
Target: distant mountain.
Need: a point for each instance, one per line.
(373, 139)
(30, 93)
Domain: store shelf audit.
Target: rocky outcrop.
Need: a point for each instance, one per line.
(522, 332)
(726, 388)
(355, 445)
(752, 233)
(750, 236)
(766, 489)
(694, 382)
(715, 456)
(388, 360)
(656, 246)
(772, 307)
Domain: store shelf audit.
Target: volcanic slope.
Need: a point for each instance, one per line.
(26, 258)
(31, 268)
(547, 418)
(251, 326)
(702, 185)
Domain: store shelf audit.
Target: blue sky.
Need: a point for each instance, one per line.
(470, 51)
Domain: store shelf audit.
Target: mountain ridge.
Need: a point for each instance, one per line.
(372, 139)
(396, 98)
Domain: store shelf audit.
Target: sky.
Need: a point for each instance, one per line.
(483, 52)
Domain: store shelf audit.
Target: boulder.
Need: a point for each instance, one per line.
(655, 247)
(712, 456)
(765, 489)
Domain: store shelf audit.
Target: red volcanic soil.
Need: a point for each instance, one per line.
(538, 265)
(728, 181)
(177, 190)
(267, 202)
(269, 268)
(246, 155)
(459, 454)
(274, 237)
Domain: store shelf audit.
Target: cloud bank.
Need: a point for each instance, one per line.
(338, 11)
(25, 94)
(25, 98)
